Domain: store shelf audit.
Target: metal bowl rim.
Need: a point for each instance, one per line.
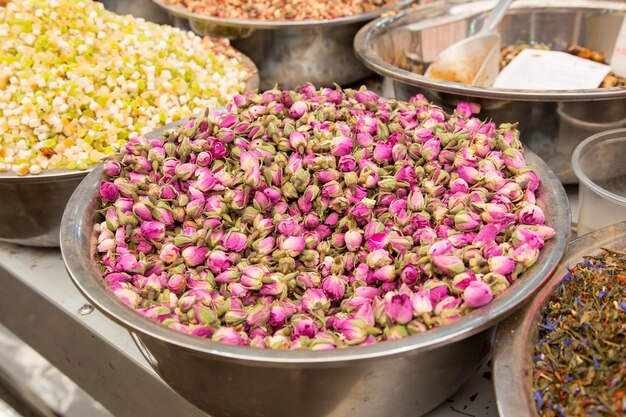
(280, 24)
(517, 330)
(363, 50)
(84, 276)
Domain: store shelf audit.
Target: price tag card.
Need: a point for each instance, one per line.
(535, 69)
(618, 58)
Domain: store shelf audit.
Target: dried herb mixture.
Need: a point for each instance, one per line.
(580, 362)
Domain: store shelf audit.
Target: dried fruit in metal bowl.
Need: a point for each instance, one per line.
(280, 9)
(77, 80)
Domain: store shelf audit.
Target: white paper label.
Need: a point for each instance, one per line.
(535, 69)
(618, 58)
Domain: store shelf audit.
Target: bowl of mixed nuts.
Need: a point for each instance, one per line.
(328, 251)
(291, 42)
(70, 100)
(554, 121)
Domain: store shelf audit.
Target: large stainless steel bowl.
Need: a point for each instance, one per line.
(31, 206)
(517, 336)
(289, 53)
(400, 378)
(552, 123)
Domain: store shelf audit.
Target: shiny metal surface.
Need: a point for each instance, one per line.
(517, 335)
(400, 378)
(145, 9)
(289, 53)
(552, 123)
(31, 206)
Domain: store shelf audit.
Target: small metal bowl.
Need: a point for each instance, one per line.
(31, 206)
(552, 122)
(287, 52)
(403, 378)
(517, 336)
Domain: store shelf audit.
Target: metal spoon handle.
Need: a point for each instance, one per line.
(496, 15)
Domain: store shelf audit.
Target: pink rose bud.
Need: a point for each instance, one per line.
(293, 245)
(543, 231)
(128, 297)
(485, 235)
(258, 315)
(314, 299)
(354, 330)
(341, 145)
(288, 227)
(353, 240)
(525, 254)
(531, 214)
(304, 327)
(169, 253)
(252, 277)
(218, 261)
(266, 245)
(298, 109)
(468, 174)
(194, 256)
(416, 199)
(448, 303)
(153, 231)
(513, 159)
(431, 149)
(410, 275)
(108, 191)
(228, 121)
(522, 235)
(112, 168)
(378, 258)
(334, 287)
(501, 264)
(382, 152)
(493, 213)
(297, 140)
(229, 276)
(128, 263)
(399, 308)
(235, 241)
(185, 171)
(421, 304)
(229, 335)
(441, 247)
(528, 180)
(176, 284)
(448, 264)
(386, 273)
(477, 294)
(459, 185)
(338, 240)
(466, 221)
(249, 160)
(142, 211)
(367, 124)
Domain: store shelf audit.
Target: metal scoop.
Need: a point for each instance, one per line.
(474, 60)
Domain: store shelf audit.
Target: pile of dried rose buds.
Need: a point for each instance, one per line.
(319, 219)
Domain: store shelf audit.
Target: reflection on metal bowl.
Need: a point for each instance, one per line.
(289, 53)
(31, 206)
(402, 378)
(400, 47)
